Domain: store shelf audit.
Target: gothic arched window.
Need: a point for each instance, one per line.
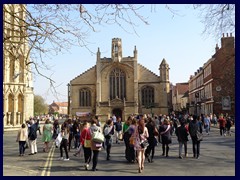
(147, 96)
(117, 81)
(85, 97)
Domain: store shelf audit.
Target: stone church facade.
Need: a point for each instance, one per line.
(121, 86)
(17, 78)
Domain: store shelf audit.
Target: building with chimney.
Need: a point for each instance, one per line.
(212, 87)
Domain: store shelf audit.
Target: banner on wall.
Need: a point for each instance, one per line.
(226, 103)
(83, 114)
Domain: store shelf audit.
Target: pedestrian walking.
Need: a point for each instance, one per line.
(140, 135)
(152, 132)
(207, 124)
(126, 136)
(47, 135)
(222, 125)
(108, 134)
(182, 135)
(65, 131)
(32, 136)
(195, 130)
(56, 129)
(96, 147)
(85, 139)
(118, 130)
(165, 132)
(22, 136)
(229, 125)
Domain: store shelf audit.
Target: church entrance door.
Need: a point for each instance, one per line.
(117, 112)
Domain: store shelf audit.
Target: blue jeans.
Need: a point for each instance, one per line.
(22, 147)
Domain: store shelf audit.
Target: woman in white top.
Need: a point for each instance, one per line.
(140, 135)
(22, 136)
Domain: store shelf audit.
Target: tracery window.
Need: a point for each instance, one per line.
(85, 97)
(117, 81)
(147, 96)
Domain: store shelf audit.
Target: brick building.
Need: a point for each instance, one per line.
(212, 88)
(179, 97)
(59, 107)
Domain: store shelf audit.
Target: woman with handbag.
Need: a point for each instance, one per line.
(195, 130)
(141, 135)
(165, 132)
(64, 143)
(108, 134)
(95, 146)
(85, 140)
(152, 131)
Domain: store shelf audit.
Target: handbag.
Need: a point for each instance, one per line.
(199, 136)
(144, 144)
(131, 141)
(87, 143)
(58, 140)
(97, 137)
(120, 136)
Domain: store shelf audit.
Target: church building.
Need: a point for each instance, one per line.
(18, 96)
(121, 86)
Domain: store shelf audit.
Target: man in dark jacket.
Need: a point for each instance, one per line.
(195, 130)
(32, 136)
(118, 128)
(182, 135)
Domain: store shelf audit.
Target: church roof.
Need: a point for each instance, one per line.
(141, 66)
(85, 72)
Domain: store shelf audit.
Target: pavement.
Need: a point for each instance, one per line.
(217, 159)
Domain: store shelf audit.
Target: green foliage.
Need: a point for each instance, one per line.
(40, 107)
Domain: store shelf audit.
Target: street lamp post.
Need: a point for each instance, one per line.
(68, 110)
(150, 106)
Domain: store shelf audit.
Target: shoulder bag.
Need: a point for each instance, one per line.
(87, 143)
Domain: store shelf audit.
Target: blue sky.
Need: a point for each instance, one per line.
(177, 38)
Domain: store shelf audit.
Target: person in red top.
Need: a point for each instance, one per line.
(222, 125)
(85, 140)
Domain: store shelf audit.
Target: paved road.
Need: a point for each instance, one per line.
(217, 159)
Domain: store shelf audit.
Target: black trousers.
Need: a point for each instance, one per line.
(196, 148)
(22, 147)
(64, 145)
(87, 154)
(95, 158)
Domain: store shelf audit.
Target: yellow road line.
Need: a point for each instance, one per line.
(48, 163)
(21, 169)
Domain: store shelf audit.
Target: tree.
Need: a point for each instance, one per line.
(217, 18)
(53, 28)
(40, 107)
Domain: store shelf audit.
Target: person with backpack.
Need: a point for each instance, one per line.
(108, 134)
(195, 130)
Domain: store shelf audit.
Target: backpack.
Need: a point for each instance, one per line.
(107, 131)
(193, 128)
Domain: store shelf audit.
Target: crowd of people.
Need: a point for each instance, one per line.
(141, 134)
